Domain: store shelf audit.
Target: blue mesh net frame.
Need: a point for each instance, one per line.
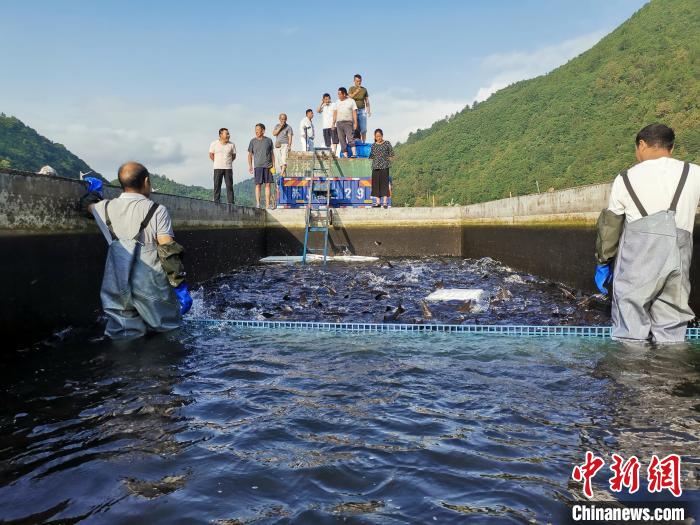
(512, 330)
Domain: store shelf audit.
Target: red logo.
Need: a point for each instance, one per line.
(587, 471)
(626, 474)
(665, 474)
(662, 474)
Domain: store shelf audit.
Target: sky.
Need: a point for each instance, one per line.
(153, 81)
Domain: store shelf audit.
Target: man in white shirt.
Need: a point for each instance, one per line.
(330, 134)
(223, 153)
(650, 216)
(283, 134)
(345, 120)
(306, 131)
(143, 286)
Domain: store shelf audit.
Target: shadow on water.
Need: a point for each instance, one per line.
(74, 416)
(654, 407)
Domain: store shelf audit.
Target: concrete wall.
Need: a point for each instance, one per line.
(51, 258)
(584, 202)
(394, 232)
(549, 234)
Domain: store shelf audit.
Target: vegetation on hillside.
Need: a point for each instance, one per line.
(243, 191)
(573, 126)
(22, 148)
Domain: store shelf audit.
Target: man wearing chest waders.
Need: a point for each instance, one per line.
(143, 288)
(650, 216)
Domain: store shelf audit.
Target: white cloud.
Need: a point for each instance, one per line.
(400, 111)
(291, 30)
(174, 140)
(507, 68)
(398, 115)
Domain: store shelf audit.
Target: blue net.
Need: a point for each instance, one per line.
(512, 330)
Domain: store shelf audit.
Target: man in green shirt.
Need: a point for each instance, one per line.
(359, 94)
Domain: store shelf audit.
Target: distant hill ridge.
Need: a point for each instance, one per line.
(22, 148)
(573, 126)
(161, 184)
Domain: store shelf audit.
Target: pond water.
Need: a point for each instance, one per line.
(243, 425)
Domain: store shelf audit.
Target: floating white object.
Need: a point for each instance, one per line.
(314, 257)
(456, 294)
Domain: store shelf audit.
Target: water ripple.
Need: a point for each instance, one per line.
(240, 425)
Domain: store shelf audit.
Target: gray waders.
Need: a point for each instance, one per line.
(136, 295)
(651, 280)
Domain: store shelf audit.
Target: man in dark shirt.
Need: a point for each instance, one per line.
(361, 97)
(261, 162)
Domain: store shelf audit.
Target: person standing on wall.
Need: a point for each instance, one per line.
(143, 287)
(647, 230)
(345, 120)
(330, 134)
(283, 134)
(306, 130)
(382, 154)
(260, 152)
(223, 152)
(361, 97)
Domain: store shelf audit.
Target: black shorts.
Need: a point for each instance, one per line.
(263, 176)
(330, 135)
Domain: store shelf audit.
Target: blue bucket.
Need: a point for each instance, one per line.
(362, 148)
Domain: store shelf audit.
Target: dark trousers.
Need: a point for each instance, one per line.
(228, 176)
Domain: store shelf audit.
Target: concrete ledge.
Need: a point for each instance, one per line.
(54, 258)
(568, 219)
(583, 199)
(379, 217)
(41, 203)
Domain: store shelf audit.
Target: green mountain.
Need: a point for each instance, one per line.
(573, 126)
(22, 148)
(163, 184)
(243, 191)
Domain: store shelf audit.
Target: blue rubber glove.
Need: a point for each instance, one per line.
(183, 295)
(94, 185)
(603, 277)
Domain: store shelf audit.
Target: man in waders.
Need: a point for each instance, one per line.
(650, 216)
(143, 288)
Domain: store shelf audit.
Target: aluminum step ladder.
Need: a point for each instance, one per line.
(319, 217)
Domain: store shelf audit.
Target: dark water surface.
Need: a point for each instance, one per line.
(229, 426)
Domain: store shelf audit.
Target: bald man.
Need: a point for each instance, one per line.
(143, 288)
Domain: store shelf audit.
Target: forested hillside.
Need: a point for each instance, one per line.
(22, 148)
(243, 191)
(573, 126)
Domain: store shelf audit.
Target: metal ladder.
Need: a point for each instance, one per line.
(319, 218)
